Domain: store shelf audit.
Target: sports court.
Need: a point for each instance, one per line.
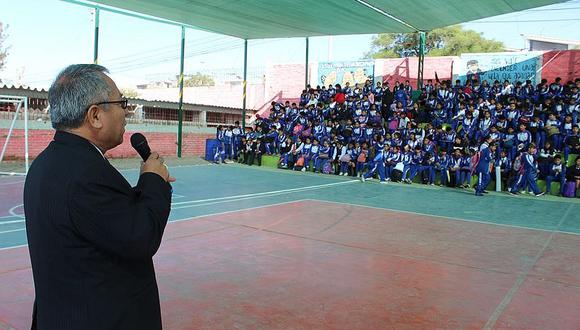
(252, 248)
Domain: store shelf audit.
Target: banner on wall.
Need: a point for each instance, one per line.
(499, 66)
(331, 73)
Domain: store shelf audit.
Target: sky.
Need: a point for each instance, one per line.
(54, 34)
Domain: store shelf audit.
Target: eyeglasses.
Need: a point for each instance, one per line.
(122, 103)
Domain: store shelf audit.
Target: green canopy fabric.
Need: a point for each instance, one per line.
(258, 19)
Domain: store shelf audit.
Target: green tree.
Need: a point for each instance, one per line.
(129, 93)
(447, 41)
(198, 79)
(3, 49)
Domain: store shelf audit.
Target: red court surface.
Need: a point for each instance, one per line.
(11, 195)
(319, 265)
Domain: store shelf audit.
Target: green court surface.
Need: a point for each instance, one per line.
(209, 189)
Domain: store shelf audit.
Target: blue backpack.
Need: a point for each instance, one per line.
(327, 167)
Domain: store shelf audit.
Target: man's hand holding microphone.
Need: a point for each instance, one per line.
(153, 163)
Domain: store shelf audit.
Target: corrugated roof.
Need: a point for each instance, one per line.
(41, 93)
(23, 88)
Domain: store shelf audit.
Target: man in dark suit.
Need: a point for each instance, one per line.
(91, 235)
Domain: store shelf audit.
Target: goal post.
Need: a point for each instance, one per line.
(21, 105)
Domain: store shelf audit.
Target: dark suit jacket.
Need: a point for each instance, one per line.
(91, 238)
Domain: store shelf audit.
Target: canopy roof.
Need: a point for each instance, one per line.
(258, 19)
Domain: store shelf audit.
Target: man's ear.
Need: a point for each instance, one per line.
(93, 117)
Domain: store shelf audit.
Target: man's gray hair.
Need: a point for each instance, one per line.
(76, 88)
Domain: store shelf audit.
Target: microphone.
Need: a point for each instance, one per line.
(139, 143)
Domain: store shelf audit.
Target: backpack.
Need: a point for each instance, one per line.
(396, 175)
(518, 163)
(297, 129)
(474, 161)
(570, 189)
(300, 161)
(394, 124)
(362, 157)
(327, 167)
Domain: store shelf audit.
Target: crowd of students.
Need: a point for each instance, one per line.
(446, 135)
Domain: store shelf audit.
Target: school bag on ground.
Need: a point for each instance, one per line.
(570, 189)
(396, 176)
(300, 161)
(327, 167)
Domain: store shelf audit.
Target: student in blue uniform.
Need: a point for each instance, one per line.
(465, 170)
(228, 142)
(416, 163)
(455, 167)
(306, 147)
(270, 141)
(557, 174)
(442, 164)
(524, 137)
(323, 156)
(482, 169)
(220, 150)
(377, 166)
(406, 156)
(427, 168)
(237, 139)
(348, 161)
(505, 166)
(361, 159)
(391, 160)
(314, 153)
(529, 173)
(378, 91)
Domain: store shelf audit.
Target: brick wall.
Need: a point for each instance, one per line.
(164, 143)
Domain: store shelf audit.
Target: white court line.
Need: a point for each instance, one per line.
(11, 221)
(13, 173)
(191, 218)
(13, 247)
(445, 217)
(11, 231)
(7, 217)
(274, 192)
(11, 211)
(234, 200)
(212, 201)
(239, 210)
(490, 324)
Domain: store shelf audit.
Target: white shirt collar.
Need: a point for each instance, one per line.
(99, 150)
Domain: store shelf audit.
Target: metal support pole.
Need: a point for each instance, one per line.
(180, 109)
(244, 86)
(306, 75)
(26, 135)
(422, 41)
(96, 45)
